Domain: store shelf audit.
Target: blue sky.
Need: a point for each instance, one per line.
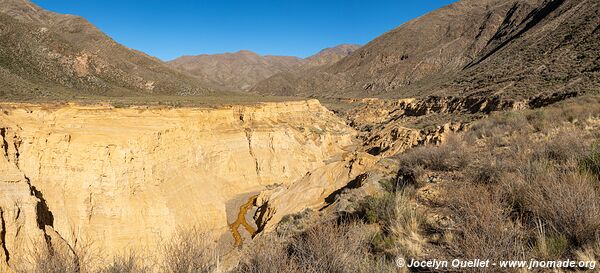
(169, 29)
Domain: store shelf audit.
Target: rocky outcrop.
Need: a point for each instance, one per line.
(25, 222)
(311, 191)
(124, 178)
(389, 127)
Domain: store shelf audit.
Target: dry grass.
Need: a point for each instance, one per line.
(326, 247)
(267, 254)
(63, 258)
(190, 251)
(567, 203)
(484, 226)
(406, 227)
(448, 157)
(130, 263)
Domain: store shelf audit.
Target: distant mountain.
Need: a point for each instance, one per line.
(235, 71)
(330, 55)
(45, 54)
(514, 47)
(243, 69)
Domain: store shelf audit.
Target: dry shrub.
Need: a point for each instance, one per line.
(565, 146)
(449, 156)
(130, 263)
(55, 262)
(484, 223)
(268, 254)
(330, 248)
(567, 203)
(325, 247)
(378, 209)
(591, 163)
(61, 258)
(584, 109)
(190, 250)
(489, 172)
(406, 177)
(499, 124)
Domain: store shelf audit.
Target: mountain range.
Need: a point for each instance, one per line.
(243, 69)
(516, 48)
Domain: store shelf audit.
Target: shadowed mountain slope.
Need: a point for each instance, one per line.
(45, 54)
(512, 47)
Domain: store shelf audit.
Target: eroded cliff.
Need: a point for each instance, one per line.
(125, 178)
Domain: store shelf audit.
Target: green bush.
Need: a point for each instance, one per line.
(378, 209)
(382, 242)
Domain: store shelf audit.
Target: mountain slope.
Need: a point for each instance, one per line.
(555, 47)
(243, 69)
(464, 48)
(236, 71)
(330, 55)
(45, 54)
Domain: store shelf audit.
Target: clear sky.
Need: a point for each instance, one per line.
(170, 28)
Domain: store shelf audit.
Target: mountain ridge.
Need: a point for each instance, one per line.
(243, 69)
(51, 55)
(444, 52)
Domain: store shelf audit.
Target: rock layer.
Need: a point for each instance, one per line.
(124, 178)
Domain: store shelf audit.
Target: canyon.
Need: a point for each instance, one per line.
(105, 146)
(127, 178)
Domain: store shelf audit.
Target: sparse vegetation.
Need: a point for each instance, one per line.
(591, 163)
(531, 191)
(325, 247)
(60, 258)
(131, 263)
(190, 251)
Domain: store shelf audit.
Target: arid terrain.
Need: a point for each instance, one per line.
(469, 133)
(242, 70)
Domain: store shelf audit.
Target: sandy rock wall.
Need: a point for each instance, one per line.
(126, 177)
(311, 191)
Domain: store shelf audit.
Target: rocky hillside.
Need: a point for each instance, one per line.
(243, 69)
(519, 48)
(237, 71)
(45, 54)
(330, 55)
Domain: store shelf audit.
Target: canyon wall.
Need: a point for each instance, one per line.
(126, 177)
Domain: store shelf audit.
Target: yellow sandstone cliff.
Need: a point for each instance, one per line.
(124, 178)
